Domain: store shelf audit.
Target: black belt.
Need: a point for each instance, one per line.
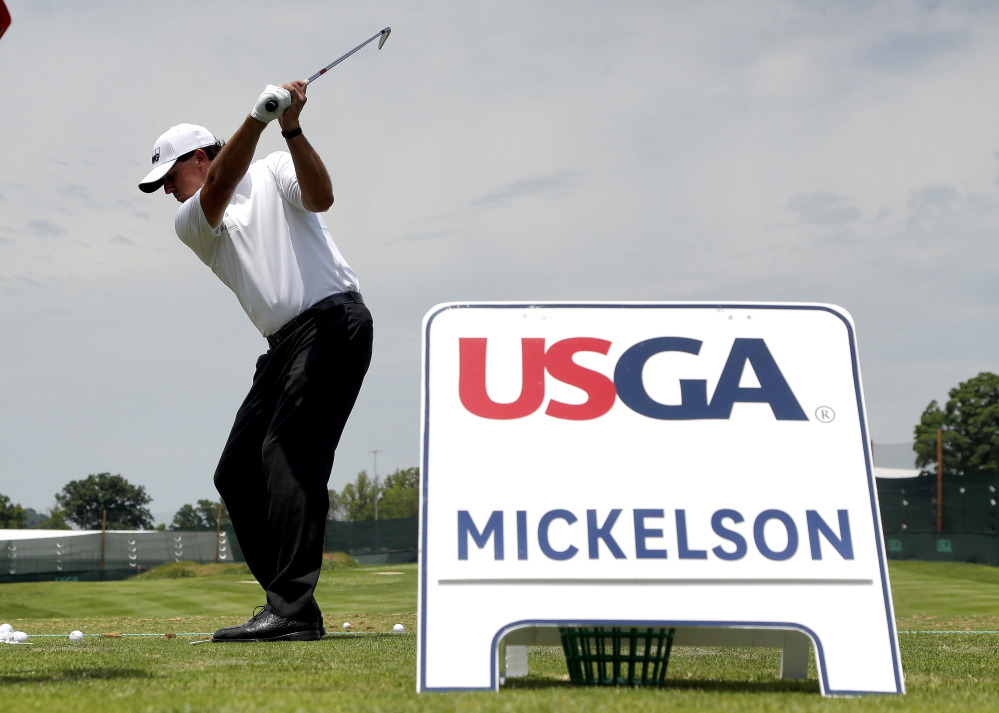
(289, 327)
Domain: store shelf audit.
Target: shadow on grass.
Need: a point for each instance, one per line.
(358, 637)
(72, 675)
(781, 686)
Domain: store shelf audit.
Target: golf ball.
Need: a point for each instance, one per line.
(4, 628)
(76, 636)
(398, 628)
(346, 625)
(20, 637)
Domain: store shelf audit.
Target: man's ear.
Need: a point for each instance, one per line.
(201, 158)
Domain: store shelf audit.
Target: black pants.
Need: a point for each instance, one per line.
(274, 471)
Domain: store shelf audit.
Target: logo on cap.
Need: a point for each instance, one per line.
(156, 154)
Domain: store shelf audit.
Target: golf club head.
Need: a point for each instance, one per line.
(385, 33)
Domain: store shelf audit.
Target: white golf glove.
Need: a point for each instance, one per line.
(271, 104)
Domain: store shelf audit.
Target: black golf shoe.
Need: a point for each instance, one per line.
(265, 626)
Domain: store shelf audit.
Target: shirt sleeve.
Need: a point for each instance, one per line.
(194, 231)
(283, 169)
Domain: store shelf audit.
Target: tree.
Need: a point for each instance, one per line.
(187, 518)
(53, 520)
(400, 496)
(970, 425)
(85, 501)
(203, 516)
(337, 510)
(56, 520)
(12, 515)
(358, 499)
(33, 520)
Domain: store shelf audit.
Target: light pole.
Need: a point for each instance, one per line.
(375, 470)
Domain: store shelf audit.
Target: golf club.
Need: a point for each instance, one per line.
(272, 105)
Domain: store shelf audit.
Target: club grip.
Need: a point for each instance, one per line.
(271, 105)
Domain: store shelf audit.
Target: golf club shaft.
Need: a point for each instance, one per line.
(273, 104)
(328, 67)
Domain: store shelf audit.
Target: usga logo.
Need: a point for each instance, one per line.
(601, 391)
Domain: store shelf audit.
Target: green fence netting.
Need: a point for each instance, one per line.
(375, 541)
(91, 555)
(970, 504)
(76, 554)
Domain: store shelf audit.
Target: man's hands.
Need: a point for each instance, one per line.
(271, 103)
(289, 118)
(284, 103)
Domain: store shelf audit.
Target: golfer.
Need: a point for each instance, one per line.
(256, 225)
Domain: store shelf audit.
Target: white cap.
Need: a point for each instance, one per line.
(177, 141)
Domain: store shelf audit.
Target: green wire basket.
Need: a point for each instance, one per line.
(617, 656)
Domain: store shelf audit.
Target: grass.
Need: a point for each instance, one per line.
(165, 600)
(373, 670)
(929, 595)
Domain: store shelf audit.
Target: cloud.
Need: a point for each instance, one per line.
(907, 52)
(73, 190)
(929, 205)
(551, 185)
(822, 208)
(14, 285)
(426, 235)
(45, 228)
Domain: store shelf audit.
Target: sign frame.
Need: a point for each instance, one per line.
(691, 631)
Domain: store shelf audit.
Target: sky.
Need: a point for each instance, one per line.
(780, 151)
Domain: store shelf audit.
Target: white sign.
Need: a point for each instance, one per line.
(675, 464)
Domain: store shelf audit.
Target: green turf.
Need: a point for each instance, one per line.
(926, 591)
(143, 603)
(373, 670)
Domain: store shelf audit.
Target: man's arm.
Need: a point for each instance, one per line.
(313, 178)
(228, 168)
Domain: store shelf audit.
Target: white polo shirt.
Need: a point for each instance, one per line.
(276, 256)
